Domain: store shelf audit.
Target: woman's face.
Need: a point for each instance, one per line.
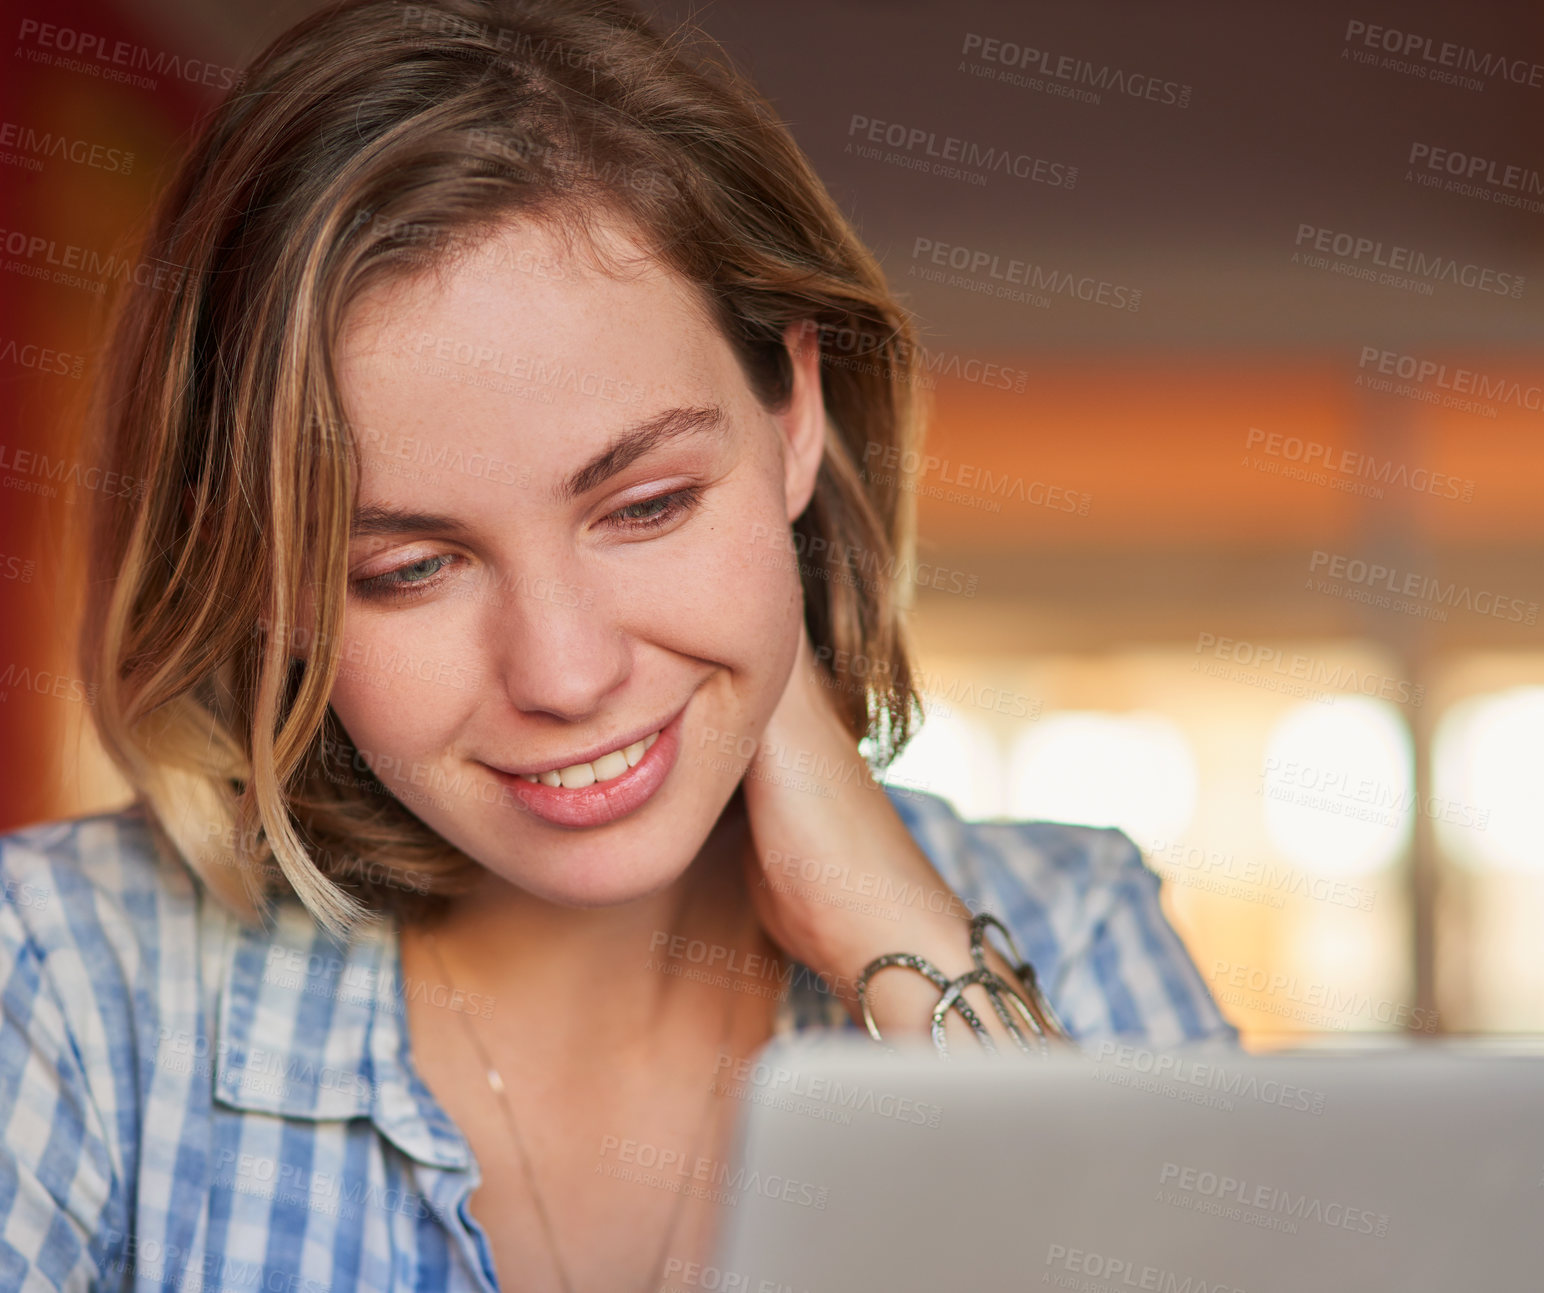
(570, 544)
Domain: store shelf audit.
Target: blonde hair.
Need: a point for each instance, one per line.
(368, 141)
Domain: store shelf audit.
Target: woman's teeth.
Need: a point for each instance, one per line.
(606, 768)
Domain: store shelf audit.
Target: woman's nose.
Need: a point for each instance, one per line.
(556, 648)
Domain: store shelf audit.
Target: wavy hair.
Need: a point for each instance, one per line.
(373, 140)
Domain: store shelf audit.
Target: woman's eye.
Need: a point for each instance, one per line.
(660, 510)
(404, 579)
(646, 510)
(419, 570)
(646, 514)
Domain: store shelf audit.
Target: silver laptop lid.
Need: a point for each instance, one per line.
(1187, 1172)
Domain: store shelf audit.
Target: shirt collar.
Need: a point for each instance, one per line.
(334, 1039)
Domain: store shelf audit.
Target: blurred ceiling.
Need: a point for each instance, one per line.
(1199, 207)
(1148, 412)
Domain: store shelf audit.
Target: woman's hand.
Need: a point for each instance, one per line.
(836, 877)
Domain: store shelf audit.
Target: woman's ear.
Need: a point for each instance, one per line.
(804, 418)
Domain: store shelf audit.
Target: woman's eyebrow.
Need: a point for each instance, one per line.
(627, 447)
(639, 439)
(375, 520)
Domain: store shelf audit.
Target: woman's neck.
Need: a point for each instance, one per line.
(577, 974)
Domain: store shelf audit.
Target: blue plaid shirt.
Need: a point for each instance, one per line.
(190, 1102)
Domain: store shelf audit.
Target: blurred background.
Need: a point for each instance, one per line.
(1232, 321)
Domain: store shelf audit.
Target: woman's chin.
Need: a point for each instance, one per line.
(592, 881)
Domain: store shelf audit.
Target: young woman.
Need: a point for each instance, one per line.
(480, 655)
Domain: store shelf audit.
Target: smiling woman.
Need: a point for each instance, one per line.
(678, 630)
(464, 654)
(453, 192)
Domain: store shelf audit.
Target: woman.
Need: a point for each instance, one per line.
(466, 654)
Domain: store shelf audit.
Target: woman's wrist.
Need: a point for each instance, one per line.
(902, 1001)
(898, 996)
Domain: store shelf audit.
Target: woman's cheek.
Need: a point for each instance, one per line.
(400, 705)
(734, 597)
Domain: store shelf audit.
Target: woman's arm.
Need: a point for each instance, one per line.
(840, 879)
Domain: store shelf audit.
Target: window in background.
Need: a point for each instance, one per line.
(1488, 775)
(955, 756)
(1288, 889)
(1488, 816)
(1135, 771)
(1338, 786)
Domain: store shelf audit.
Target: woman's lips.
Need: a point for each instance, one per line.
(605, 801)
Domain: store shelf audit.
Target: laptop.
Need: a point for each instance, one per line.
(1404, 1168)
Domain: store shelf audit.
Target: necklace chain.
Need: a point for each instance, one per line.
(501, 1090)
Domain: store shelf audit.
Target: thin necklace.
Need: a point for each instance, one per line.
(496, 1082)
